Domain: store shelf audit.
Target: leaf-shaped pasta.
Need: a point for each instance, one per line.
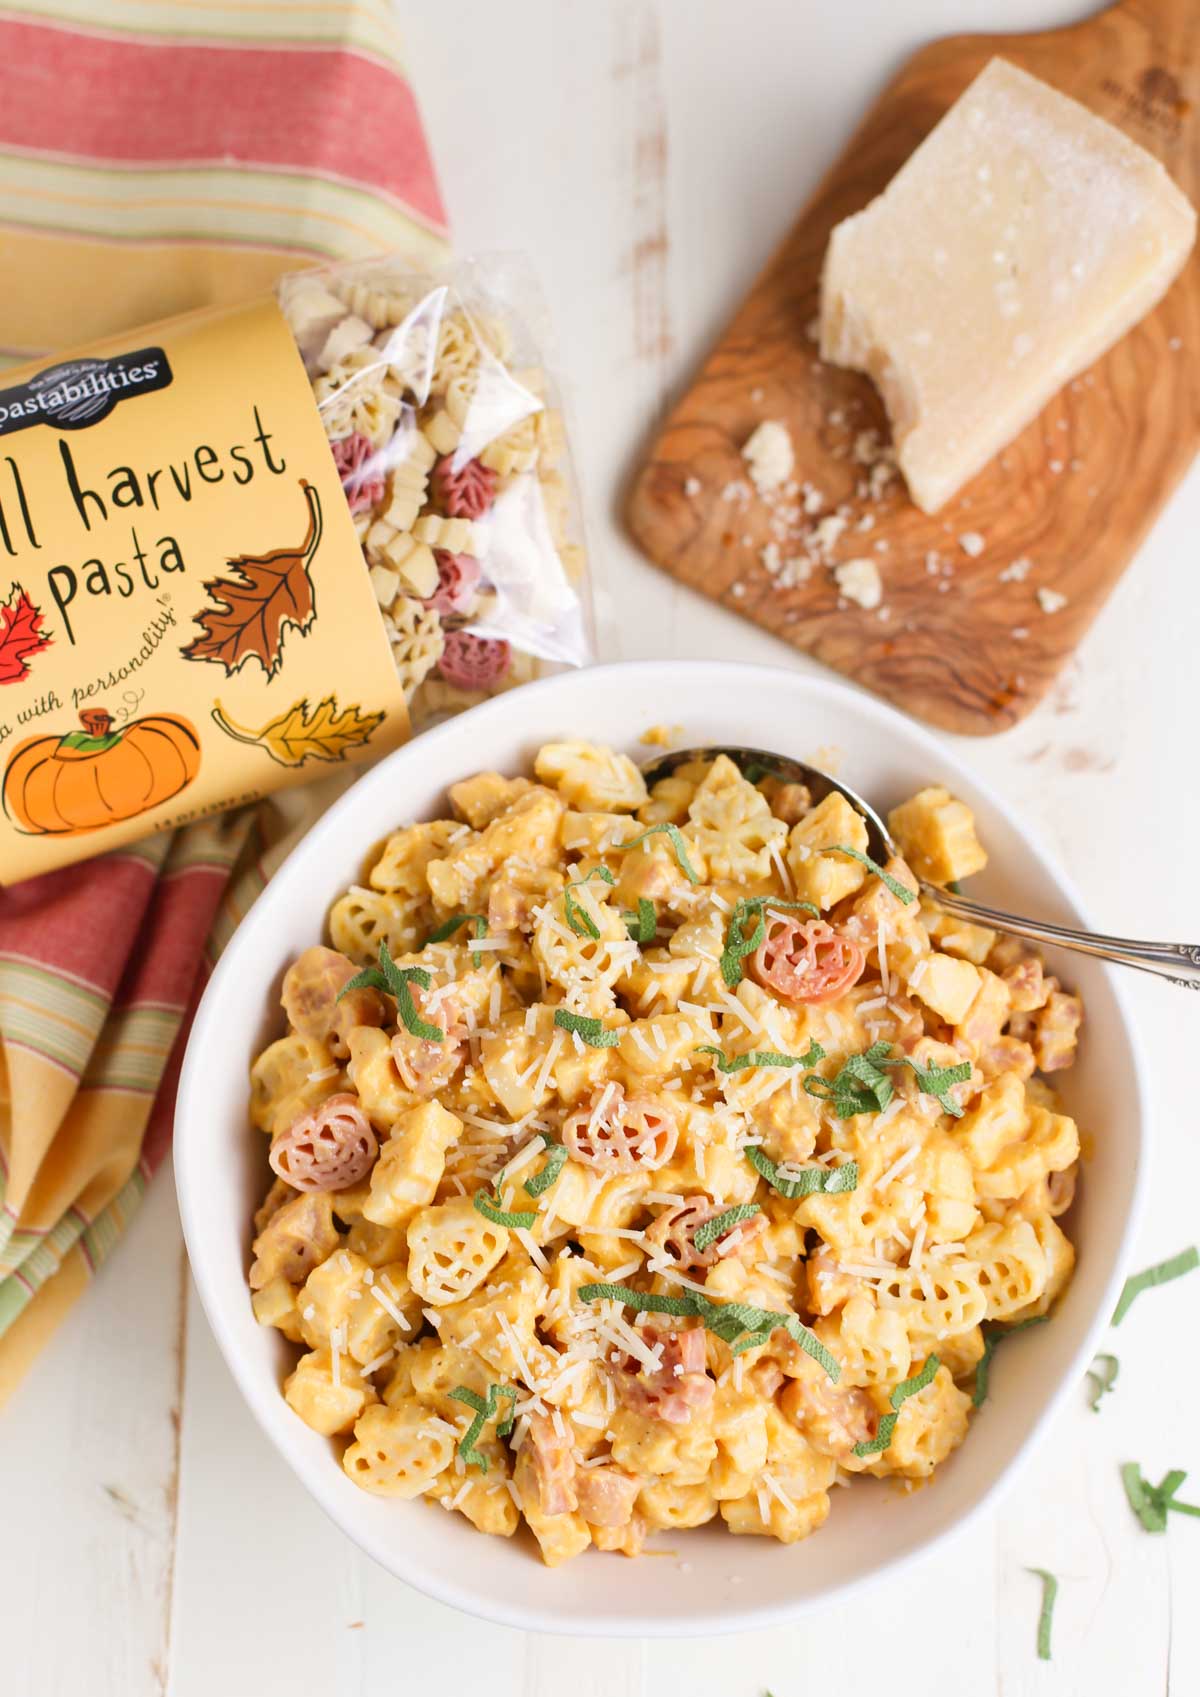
(416, 638)
(732, 826)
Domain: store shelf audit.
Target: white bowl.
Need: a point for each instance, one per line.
(221, 1170)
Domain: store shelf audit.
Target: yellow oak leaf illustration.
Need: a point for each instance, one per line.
(305, 733)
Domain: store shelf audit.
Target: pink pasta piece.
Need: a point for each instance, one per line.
(678, 1385)
(463, 491)
(675, 1232)
(458, 579)
(621, 1134)
(361, 471)
(330, 1148)
(474, 662)
(315, 1006)
(807, 961)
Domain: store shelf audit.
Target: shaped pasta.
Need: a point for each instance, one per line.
(398, 1451)
(695, 1229)
(451, 1249)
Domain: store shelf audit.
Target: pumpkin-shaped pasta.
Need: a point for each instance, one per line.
(398, 1451)
(776, 1514)
(806, 960)
(621, 1134)
(328, 1149)
(1050, 1144)
(676, 1508)
(681, 1454)
(451, 1250)
(517, 1056)
(479, 799)
(426, 1066)
(669, 800)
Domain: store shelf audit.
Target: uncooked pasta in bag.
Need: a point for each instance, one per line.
(451, 450)
(242, 547)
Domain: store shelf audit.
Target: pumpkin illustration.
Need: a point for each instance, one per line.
(64, 786)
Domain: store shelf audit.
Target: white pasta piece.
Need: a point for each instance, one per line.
(417, 641)
(457, 536)
(345, 338)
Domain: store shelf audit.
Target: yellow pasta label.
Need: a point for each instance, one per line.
(186, 621)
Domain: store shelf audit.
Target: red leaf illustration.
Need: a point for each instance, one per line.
(255, 604)
(21, 635)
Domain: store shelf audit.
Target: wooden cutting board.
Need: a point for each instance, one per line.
(957, 641)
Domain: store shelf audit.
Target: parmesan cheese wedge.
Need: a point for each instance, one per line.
(1022, 239)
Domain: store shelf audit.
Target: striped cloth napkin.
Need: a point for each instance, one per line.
(154, 158)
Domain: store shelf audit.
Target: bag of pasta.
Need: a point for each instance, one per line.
(251, 544)
(448, 437)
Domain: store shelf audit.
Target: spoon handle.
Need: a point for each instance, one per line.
(1178, 963)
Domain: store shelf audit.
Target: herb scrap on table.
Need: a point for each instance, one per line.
(1161, 1274)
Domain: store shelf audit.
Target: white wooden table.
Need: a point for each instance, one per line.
(647, 156)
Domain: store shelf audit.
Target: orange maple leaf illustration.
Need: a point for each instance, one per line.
(263, 595)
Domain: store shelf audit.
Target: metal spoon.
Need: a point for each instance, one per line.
(1178, 963)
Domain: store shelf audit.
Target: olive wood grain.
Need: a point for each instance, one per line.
(1075, 493)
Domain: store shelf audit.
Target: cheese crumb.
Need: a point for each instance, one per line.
(859, 581)
(770, 456)
(692, 487)
(828, 532)
(972, 543)
(1018, 571)
(1051, 600)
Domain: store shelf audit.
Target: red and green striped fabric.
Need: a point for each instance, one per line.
(157, 155)
(162, 154)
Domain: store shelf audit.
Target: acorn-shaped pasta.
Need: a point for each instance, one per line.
(65, 786)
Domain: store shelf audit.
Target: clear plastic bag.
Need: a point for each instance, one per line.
(448, 436)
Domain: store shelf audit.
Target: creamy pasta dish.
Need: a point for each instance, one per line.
(643, 1158)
